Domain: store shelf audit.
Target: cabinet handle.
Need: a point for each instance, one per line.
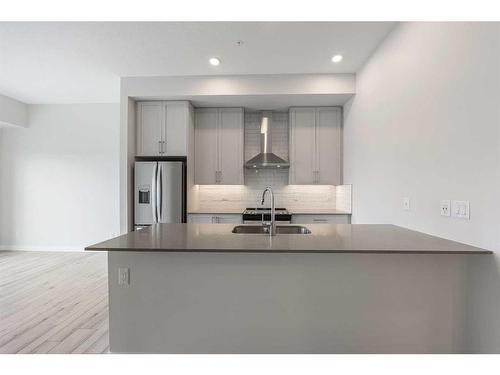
(315, 177)
(159, 147)
(321, 220)
(218, 177)
(163, 147)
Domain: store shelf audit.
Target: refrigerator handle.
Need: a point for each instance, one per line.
(153, 194)
(159, 192)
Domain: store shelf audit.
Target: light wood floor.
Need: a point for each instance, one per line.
(53, 302)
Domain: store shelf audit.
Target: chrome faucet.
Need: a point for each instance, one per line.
(272, 226)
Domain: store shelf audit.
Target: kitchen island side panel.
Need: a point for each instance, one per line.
(286, 303)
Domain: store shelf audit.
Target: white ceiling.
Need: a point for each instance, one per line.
(82, 62)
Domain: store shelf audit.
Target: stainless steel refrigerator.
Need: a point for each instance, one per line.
(159, 193)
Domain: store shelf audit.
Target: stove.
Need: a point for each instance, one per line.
(262, 214)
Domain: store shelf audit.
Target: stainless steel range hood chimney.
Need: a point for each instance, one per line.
(266, 158)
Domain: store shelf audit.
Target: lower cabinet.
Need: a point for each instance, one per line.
(321, 219)
(215, 218)
(296, 219)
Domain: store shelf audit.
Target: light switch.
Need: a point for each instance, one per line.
(123, 276)
(460, 209)
(445, 208)
(406, 204)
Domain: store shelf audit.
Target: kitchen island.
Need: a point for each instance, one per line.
(199, 288)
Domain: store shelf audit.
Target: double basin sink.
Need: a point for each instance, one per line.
(261, 229)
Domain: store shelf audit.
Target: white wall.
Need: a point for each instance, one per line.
(425, 124)
(13, 112)
(59, 178)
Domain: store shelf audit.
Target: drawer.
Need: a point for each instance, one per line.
(321, 219)
(215, 218)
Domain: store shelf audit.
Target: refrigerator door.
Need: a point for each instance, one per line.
(170, 192)
(145, 194)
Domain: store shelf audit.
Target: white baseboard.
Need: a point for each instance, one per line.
(41, 248)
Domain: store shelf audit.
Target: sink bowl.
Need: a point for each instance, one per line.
(280, 229)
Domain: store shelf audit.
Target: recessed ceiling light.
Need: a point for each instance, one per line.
(337, 58)
(214, 61)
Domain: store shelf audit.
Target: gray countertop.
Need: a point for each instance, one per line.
(325, 238)
(292, 211)
(317, 211)
(230, 211)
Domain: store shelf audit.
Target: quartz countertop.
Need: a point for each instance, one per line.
(292, 211)
(316, 211)
(324, 238)
(220, 211)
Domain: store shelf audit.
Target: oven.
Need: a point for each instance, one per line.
(260, 215)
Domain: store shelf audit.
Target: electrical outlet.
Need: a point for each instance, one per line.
(406, 204)
(460, 209)
(445, 208)
(123, 276)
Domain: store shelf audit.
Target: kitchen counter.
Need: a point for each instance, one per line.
(324, 238)
(220, 211)
(198, 288)
(305, 211)
(293, 211)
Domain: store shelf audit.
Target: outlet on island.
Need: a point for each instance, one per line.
(123, 276)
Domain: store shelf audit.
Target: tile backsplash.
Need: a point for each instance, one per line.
(230, 197)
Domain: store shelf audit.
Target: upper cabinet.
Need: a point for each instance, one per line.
(162, 128)
(315, 146)
(218, 146)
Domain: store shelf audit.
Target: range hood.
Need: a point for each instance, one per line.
(266, 159)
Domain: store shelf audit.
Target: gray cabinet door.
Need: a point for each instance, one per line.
(229, 219)
(215, 218)
(231, 146)
(205, 146)
(315, 146)
(175, 128)
(149, 128)
(218, 146)
(302, 146)
(328, 146)
(321, 219)
(199, 218)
